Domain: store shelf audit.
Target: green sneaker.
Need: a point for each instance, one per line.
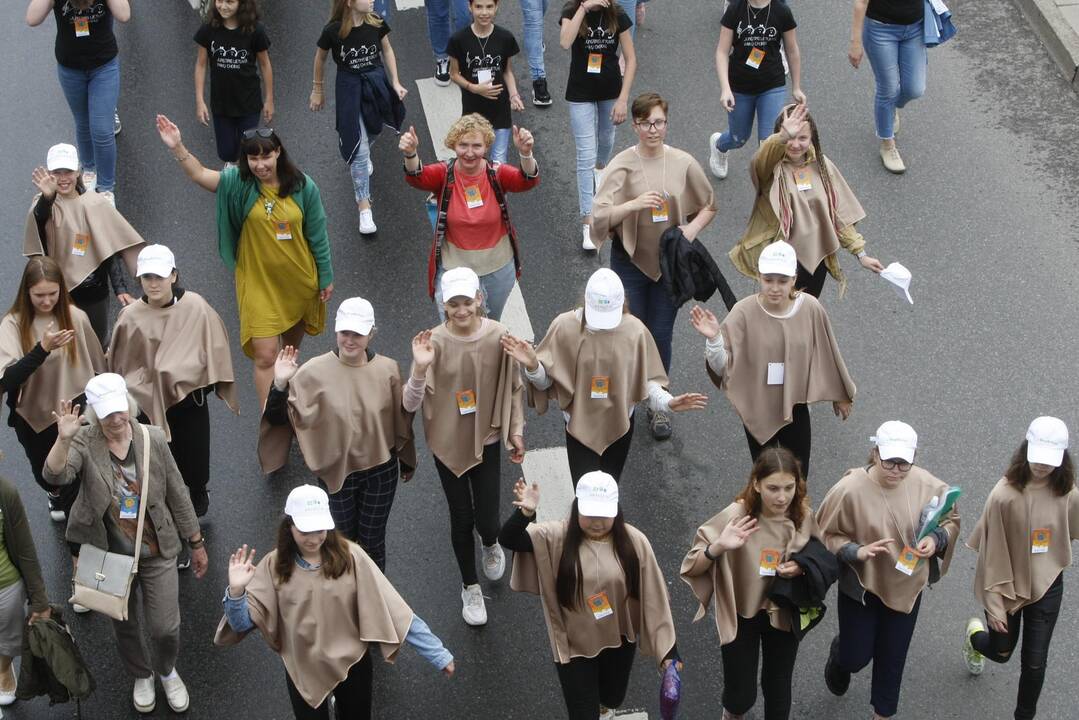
(975, 660)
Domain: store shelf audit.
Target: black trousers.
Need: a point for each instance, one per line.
(796, 436)
(473, 500)
(228, 132)
(97, 310)
(811, 283)
(588, 683)
(189, 421)
(583, 459)
(740, 659)
(1037, 621)
(352, 696)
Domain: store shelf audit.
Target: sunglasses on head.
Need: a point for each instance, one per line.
(253, 133)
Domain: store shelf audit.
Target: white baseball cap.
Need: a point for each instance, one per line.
(459, 282)
(896, 439)
(62, 157)
(309, 508)
(604, 297)
(155, 260)
(355, 315)
(107, 393)
(597, 495)
(1047, 439)
(778, 258)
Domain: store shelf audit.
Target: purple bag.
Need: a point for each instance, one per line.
(670, 692)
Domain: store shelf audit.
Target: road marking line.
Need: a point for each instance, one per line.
(550, 468)
(515, 316)
(441, 106)
(409, 4)
(633, 715)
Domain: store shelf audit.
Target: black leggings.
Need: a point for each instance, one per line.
(98, 313)
(352, 695)
(583, 459)
(189, 422)
(796, 436)
(473, 500)
(740, 658)
(1037, 621)
(588, 683)
(811, 283)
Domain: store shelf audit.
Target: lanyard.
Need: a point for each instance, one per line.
(644, 174)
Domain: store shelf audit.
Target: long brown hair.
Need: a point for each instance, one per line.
(336, 557)
(39, 268)
(341, 11)
(1061, 480)
(774, 460)
(610, 17)
(822, 167)
(570, 579)
(247, 16)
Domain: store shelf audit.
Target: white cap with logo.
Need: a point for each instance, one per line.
(778, 258)
(107, 393)
(896, 439)
(459, 282)
(597, 495)
(62, 157)
(355, 315)
(155, 260)
(604, 297)
(1047, 439)
(309, 508)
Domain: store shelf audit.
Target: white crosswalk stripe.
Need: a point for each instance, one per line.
(409, 4)
(441, 106)
(550, 468)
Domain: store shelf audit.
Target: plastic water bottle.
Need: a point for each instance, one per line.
(670, 692)
(926, 512)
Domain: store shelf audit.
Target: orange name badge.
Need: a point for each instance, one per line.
(769, 562)
(82, 26)
(1039, 540)
(756, 56)
(283, 230)
(466, 402)
(803, 180)
(662, 213)
(595, 63)
(601, 385)
(81, 244)
(600, 605)
(472, 197)
(908, 561)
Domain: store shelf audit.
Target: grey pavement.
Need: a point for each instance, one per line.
(1057, 23)
(984, 218)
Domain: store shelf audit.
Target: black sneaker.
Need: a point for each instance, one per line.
(442, 72)
(540, 96)
(183, 560)
(837, 680)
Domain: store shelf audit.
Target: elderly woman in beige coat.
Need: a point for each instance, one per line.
(105, 454)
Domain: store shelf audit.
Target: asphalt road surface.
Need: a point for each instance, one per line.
(984, 218)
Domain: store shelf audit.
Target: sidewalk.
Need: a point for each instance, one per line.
(1057, 23)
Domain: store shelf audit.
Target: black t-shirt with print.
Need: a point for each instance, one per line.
(757, 29)
(359, 51)
(587, 81)
(896, 12)
(474, 57)
(84, 38)
(234, 79)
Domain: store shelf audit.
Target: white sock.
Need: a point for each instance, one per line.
(171, 675)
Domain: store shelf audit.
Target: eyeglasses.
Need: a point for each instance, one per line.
(251, 134)
(653, 125)
(901, 465)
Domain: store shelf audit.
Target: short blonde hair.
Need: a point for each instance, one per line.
(471, 123)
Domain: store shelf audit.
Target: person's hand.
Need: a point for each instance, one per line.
(789, 569)
(285, 366)
(170, 134)
(704, 321)
(43, 615)
(521, 351)
(423, 352)
(317, 101)
(199, 561)
(408, 142)
(793, 121)
(449, 670)
(1001, 626)
(516, 103)
(646, 200)
(689, 231)
(241, 570)
(871, 263)
(526, 496)
(125, 299)
(325, 293)
(67, 420)
(843, 409)
(401, 90)
(53, 339)
(619, 111)
(489, 89)
(726, 99)
(267, 112)
(517, 449)
(734, 535)
(855, 53)
(927, 547)
(688, 401)
(44, 182)
(523, 140)
(799, 96)
(589, 5)
(202, 113)
(865, 552)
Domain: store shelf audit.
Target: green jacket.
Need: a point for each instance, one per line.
(236, 197)
(20, 545)
(52, 664)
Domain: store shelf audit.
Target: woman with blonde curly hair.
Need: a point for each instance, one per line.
(472, 224)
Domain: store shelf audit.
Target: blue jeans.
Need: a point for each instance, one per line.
(501, 145)
(648, 300)
(532, 12)
(384, 8)
(629, 7)
(227, 134)
(765, 106)
(361, 179)
(92, 97)
(496, 287)
(438, 23)
(593, 133)
(898, 58)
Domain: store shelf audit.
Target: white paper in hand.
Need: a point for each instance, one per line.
(899, 276)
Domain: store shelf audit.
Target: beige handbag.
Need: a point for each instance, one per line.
(103, 579)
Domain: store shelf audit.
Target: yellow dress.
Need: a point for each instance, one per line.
(276, 279)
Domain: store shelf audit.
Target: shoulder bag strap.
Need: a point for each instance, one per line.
(144, 492)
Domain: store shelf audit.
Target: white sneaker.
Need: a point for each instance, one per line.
(606, 713)
(108, 195)
(586, 238)
(80, 609)
(367, 222)
(55, 513)
(370, 168)
(717, 159)
(117, 126)
(597, 178)
(472, 608)
(176, 692)
(7, 697)
(494, 560)
(89, 180)
(145, 694)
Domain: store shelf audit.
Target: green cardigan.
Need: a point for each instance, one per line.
(236, 197)
(20, 545)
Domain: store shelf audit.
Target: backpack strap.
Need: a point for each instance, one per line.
(443, 211)
(500, 198)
